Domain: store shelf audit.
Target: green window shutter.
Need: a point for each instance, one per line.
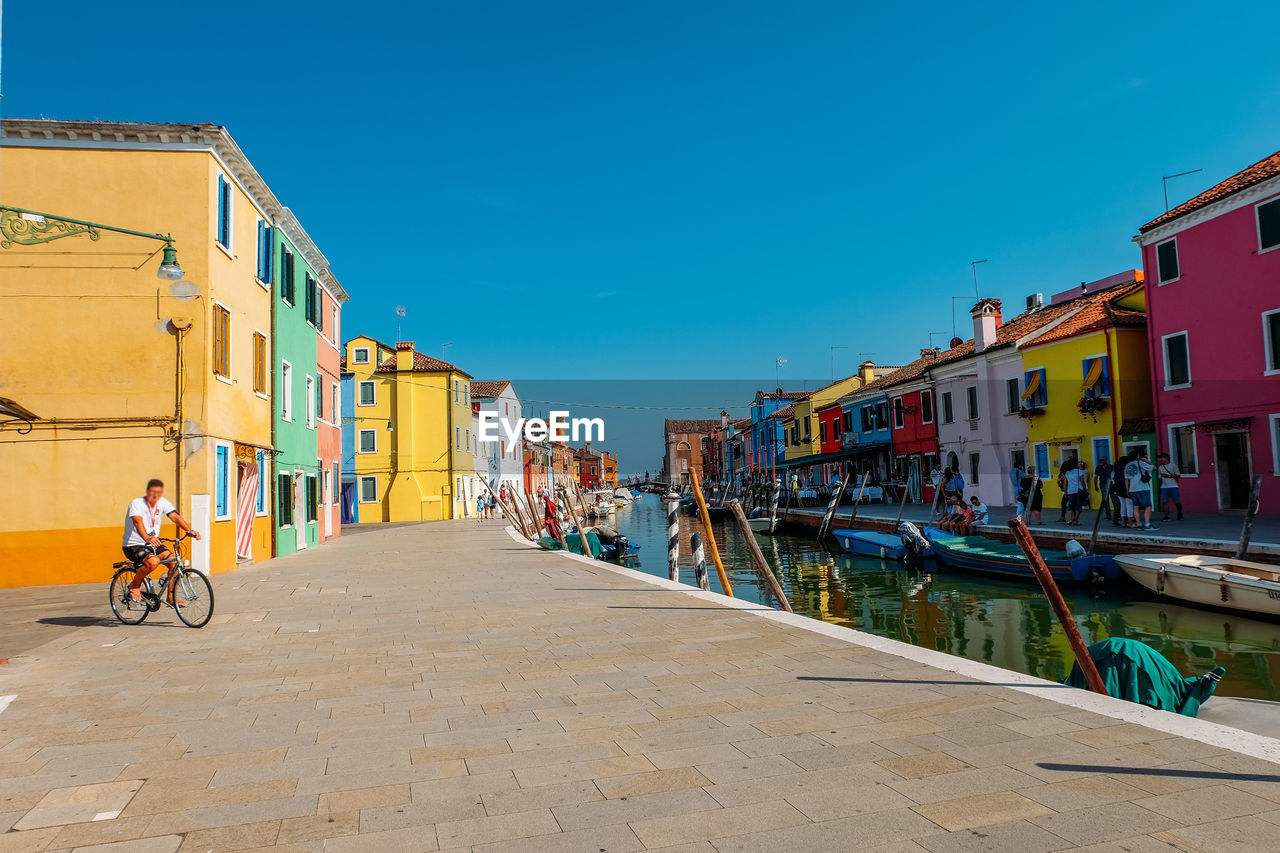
(1269, 224)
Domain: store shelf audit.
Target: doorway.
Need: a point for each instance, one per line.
(300, 509)
(348, 503)
(1231, 453)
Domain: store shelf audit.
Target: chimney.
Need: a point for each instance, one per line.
(867, 372)
(724, 419)
(404, 355)
(930, 354)
(986, 320)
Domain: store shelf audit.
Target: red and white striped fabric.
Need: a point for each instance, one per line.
(246, 508)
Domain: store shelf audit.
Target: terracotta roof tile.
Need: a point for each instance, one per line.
(422, 363)
(697, 426)
(783, 413)
(488, 387)
(782, 395)
(1094, 311)
(1267, 167)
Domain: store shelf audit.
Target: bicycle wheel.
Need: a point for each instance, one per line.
(127, 610)
(194, 589)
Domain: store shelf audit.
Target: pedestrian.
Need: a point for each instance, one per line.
(479, 508)
(1030, 495)
(1138, 472)
(493, 506)
(1015, 477)
(1075, 480)
(1120, 488)
(957, 485)
(1170, 493)
(1104, 475)
(1067, 465)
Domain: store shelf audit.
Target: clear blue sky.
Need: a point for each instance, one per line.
(734, 180)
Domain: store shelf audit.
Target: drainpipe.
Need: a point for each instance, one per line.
(1115, 403)
(448, 405)
(181, 325)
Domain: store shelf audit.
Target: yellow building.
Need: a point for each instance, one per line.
(1083, 377)
(111, 360)
(801, 431)
(411, 433)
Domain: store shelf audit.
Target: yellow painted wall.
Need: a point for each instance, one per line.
(1062, 422)
(87, 337)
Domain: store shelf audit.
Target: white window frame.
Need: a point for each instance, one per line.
(309, 383)
(1257, 224)
(360, 489)
(270, 259)
(1273, 423)
(360, 386)
(1267, 369)
(333, 322)
(897, 412)
(951, 404)
(286, 390)
(319, 502)
(1195, 447)
(1017, 382)
(1164, 355)
(268, 483)
(335, 403)
(1177, 253)
(233, 494)
(360, 440)
(975, 414)
(933, 409)
(355, 355)
(229, 251)
(1111, 456)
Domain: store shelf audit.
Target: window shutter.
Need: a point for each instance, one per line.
(269, 252)
(262, 276)
(222, 211)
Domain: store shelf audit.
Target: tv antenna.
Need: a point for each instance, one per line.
(1164, 183)
(400, 312)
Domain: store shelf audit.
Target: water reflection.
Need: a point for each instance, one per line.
(1003, 623)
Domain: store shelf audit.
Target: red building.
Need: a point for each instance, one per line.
(913, 422)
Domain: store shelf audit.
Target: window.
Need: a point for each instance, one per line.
(1097, 376)
(457, 391)
(221, 341)
(847, 421)
(262, 483)
(368, 441)
(313, 499)
(1017, 457)
(822, 432)
(311, 402)
(468, 440)
(224, 213)
(312, 310)
(457, 434)
(1275, 444)
(868, 418)
(222, 481)
(259, 363)
(368, 395)
(1182, 447)
(368, 490)
(971, 402)
(333, 323)
(948, 411)
(1167, 261)
(286, 276)
(1269, 225)
(1271, 340)
(266, 251)
(1036, 393)
(336, 495)
(335, 403)
(973, 469)
(899, 417)
(1177, 361)
(926, 407)
(325, 486)
(286, 391)
(284, 499)
(1013, 395)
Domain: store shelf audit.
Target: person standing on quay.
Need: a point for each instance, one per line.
(1138, 473)
(1170, 493)
(1103, 474)
(1067, 464)
(1075, 479)
(1030, 495)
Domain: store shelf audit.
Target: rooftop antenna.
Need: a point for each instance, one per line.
(777, 371)
(973, 266)
(399, 314)
(931, 334)
(444, 350)
(833, 361)
(1164, 183)
(953, 314)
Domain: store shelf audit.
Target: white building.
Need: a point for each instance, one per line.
(501, 461)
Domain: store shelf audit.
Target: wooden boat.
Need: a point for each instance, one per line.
(873, 543)
(763, 525)
(1211, 581)
(986, 556)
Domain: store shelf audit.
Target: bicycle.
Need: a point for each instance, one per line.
(190, 587)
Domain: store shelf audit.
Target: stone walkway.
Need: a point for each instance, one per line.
(441, 687)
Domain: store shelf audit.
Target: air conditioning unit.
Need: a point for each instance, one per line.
(1035, 302)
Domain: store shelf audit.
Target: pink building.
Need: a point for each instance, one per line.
(1213, 306)
(329, 407)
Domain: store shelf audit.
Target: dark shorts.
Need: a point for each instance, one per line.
(138, 553)
(1142, 499)
(1075, 501)
(1170, 493)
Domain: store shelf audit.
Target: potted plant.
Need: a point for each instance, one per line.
(1090, 406)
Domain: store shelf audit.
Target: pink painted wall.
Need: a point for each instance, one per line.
(1225, 285)
(329, 430)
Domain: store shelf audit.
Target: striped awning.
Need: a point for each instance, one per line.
(1032, 387)
(1095, 373)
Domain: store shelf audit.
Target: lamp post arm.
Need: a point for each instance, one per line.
(29, 227)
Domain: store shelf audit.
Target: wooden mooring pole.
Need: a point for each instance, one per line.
(757, 557)
(699, 560)
(711, 537)
(857, 499)
(672, 504)
(1059, 604)
(1255, 499)
(825, 527)
(1097, 519)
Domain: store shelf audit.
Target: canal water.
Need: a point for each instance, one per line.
(1004, 623)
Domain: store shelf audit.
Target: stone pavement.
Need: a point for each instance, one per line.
(441, 687)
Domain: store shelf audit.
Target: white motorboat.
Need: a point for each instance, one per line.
(763, 525)
(1211, 581)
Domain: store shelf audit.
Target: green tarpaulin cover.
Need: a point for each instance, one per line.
(1134, 671)
(575, 543)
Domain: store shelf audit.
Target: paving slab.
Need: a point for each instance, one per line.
(444, 686)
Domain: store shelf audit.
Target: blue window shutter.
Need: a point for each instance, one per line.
(222, 211)
(262, 481)
(1105, 381)
(270, 252)
(1043, 394)
(262, 242)
(220, 476)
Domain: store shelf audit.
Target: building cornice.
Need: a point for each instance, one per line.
(1241, 198)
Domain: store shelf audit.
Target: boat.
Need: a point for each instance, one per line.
(873, 543)
(763, 525)
(987, 556)
(620, 550)
(1210, 581)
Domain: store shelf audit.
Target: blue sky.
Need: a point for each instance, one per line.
(678, 190)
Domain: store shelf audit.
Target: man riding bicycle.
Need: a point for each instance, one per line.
(142, 543)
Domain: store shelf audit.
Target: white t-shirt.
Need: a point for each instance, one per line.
(1075, 480)
(1134, 471)
(1167, 480)
(979, 512)
(152, 517)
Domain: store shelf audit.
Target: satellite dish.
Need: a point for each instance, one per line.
(955, 342)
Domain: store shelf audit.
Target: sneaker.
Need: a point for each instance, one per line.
(1166, 518)
(1150, 527)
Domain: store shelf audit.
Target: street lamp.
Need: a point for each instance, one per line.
(169, 269)
(19, 226)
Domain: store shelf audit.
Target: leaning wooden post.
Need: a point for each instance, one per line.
(699, 561)
(534, 512)
(774, 495)
(506, 511)
(711, 537)
(857, 499)
(672, 503)
(1097, 521)
(757, 557)
(1069, 627)
(558, 527)
(906, 493)
(1247, 530)
(825, 527)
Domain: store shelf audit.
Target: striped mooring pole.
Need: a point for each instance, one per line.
(699, 561)
(672, 501)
